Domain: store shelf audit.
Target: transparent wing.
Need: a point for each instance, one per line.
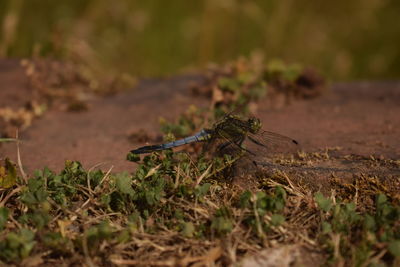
(218, 146)
(267, 143)
(233, 136)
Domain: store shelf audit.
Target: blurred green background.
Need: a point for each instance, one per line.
(345, 40)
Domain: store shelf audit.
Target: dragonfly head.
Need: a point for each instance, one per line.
(255, 125)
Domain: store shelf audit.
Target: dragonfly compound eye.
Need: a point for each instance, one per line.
(255, 125)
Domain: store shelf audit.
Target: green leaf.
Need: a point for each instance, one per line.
(369, 223)
(188, 229)
(326, 228)
(8, 174)
(27, 242)
(178, 214)
(3, 217)
(380, 200)
(275, 65)
(39, 219)
(202, 190)
(17, 245)
(280, 193)
(8, 140)
(277, 219)
(228, 84)
(222, 225)
(244, 200)
(150, 197)
(124, 183)
(97, 233)
(132, 157)
(124, 236)
(56, 242)
(394, 248)
(35, 184)
(323, 203)
(292, 72)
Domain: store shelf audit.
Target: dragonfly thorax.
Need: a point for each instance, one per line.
(254, 125)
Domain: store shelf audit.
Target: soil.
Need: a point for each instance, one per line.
(360, 118)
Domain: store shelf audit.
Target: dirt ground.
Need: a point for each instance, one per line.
(359, 119)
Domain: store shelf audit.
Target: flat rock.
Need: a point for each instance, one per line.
(357, 118)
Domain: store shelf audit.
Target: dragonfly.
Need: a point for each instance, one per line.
(236, 136)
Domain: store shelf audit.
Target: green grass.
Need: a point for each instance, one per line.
(8, 140)
(102, 218)
(344, 40)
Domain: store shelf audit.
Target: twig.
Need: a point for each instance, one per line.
(21, 169)
(104, 177)
(204, 174)
(3, 202)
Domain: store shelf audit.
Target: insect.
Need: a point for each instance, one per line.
(235, 135)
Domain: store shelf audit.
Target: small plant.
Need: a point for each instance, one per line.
(222, 222)
(17, 245)
(173, 200)
(187, 124)
(8, 174)
(264, 210)
(347, 233)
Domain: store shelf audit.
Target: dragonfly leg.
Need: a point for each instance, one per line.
(237, 142)
(256, 142)
(240, 141)
(223, 146)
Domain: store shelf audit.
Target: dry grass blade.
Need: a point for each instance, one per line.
(208, 259)
(143, 262)
(8, 140)
(203, 175)
(21, 169)
(152, 171)
(9, 195)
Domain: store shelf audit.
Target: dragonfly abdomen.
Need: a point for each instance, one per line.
(184, 141)
(200, 136)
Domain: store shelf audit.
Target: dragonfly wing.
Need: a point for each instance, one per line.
(266, 143)
(220, 145)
